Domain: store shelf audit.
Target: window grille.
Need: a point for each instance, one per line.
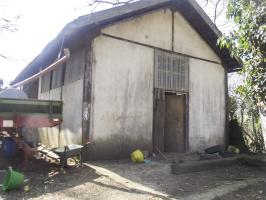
(171, 71)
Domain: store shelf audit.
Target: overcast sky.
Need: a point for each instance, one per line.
(40, 21)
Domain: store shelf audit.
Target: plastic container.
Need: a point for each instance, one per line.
(12, 180)
(137, 156)
(9, 147)
(233, 149)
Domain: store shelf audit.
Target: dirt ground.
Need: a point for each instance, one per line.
(257, 191)
(125, 180)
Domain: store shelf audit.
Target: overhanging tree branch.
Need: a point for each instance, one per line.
(110, 2)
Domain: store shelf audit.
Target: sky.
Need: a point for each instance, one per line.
(39, 22)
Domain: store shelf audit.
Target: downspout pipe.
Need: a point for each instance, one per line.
(46, 70)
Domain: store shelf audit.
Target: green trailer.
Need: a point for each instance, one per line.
(15, 113)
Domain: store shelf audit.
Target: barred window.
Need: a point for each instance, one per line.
(171, 71)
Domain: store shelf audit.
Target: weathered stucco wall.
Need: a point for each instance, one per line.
(188, 41)
(206, 79)
(153, 28)
(122, 98)
(206, 87)
(70, 131)
(206, 105)
(49, 136)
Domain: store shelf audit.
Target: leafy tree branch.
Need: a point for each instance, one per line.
(247, 40)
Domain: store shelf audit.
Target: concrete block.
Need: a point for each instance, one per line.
(197, 166)
(253, 161)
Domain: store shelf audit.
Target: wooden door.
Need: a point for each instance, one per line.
(174, 137)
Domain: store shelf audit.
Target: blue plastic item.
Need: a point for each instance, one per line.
(9, 147)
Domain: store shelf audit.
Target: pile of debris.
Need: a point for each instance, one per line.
(215, 157)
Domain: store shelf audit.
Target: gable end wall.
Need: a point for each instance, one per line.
(122, 101)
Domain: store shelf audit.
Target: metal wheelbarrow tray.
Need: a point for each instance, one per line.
(69, 151)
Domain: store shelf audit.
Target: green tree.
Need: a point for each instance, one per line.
(247, 40)
(7, 23)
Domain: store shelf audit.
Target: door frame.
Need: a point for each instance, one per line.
(186, 117)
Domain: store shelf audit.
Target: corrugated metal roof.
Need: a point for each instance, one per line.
(89, 23)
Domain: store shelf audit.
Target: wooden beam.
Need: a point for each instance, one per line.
(86, 102)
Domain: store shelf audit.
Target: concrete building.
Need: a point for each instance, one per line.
(144, 75)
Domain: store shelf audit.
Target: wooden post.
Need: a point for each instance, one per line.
(226, 139)
(86, 103)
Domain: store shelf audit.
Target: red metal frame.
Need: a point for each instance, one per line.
(31, 121)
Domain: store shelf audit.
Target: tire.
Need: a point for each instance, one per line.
(214, 149)
(227, 154)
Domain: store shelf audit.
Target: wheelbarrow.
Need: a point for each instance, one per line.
(69, 151)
